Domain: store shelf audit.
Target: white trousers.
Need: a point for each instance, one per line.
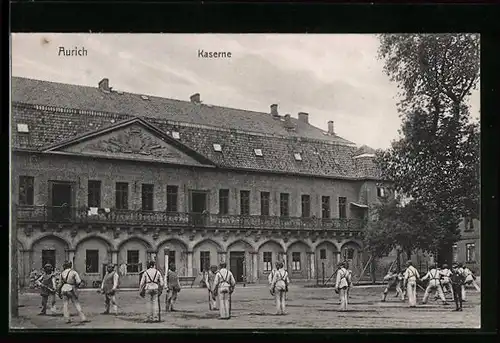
(152, 304)
(344, 298)
(224, 299)
(469, 280)
(280, 296)
(70, 297)
(411, 291)
(108, 300)
(434, 285)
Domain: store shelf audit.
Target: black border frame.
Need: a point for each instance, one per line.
(129, 16)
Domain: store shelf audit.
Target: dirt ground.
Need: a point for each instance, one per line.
(253, 307)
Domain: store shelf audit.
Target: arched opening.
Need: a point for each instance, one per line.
(205, 254)
(240, 260)
(353, 254)
(132, 259)
(297, 260)
(269, 253)
(92, 254)
(172, 251)
(49, 249)
(327, 258)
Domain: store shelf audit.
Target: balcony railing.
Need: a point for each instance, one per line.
(179, 219)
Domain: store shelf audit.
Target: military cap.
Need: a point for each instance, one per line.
(48, 265)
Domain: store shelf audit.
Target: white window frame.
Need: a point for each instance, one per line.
(176, 135)
(217, 147)
(258, 152)
(298, 156)
(23, 128)
(268, 265)
(296, 264)
(467, 252)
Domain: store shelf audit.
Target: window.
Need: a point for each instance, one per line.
(468, 224)
(470, 252)
(23, 128)
(342, 208)
(295, 261)
(92, 261)
(147, 197)
(223, 201)
(217, 147)
(132, 261)
(245, 203)
(121, 202)
(297, 156)
(284, 209)
(264, 203)
(322, 254)
(455, 253)
(258, 152)
(268, 260)
(171, 257)
(94, 193)
(176, 134)
(26, 195)
(172, 195)
(306, 205)
(380, 192)
(325, 207)
(348, 254)
(204, 260)
(49, 256)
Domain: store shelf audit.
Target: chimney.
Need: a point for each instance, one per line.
(274, 110)
(288, 122)
(104, 85)
(304, 117)
(330, 128)
(195, 98)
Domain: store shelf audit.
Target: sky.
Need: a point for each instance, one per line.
(332, 77)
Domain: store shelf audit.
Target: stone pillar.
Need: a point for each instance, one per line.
(338, 257)
(312, 271)
(283, 258)
(189, 263)
(222, 257)
(151, 256)
(255, 266)
(71, 256)
(114, 257)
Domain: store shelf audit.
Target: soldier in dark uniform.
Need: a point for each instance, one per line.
(47, 284)
(457, 280)
(173, 287)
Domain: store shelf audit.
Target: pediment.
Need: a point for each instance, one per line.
(133, 142)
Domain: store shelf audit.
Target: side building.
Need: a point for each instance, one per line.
(101, 176)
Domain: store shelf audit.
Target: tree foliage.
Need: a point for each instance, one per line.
(436, 159)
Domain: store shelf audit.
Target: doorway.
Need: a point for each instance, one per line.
(62, 195)
(198, 206)
(237, 265)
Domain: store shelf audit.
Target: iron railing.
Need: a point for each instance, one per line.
(57, 214)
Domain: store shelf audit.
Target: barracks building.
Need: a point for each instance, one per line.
(102, 176)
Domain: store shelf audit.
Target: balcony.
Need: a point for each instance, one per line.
(52, 214)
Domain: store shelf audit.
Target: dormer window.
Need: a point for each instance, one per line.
(217, 147)
(23, 128)
(297, 156)
(258, 152)
(144, 97)
(176, 134)
(381, 192)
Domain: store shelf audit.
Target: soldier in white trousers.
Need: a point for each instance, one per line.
(342, 285)
(446, 281)
(151, 287)
(470, 279)
(209, 282)
(279, 287)
(223, 287)
(410, 277)
(68, 291)
(434, 277)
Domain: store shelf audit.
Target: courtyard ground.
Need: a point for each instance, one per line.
(253, 307)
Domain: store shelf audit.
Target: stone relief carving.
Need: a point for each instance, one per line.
(133, 141)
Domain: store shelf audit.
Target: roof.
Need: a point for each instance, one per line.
(54, 117)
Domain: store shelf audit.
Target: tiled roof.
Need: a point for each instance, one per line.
(326, 157)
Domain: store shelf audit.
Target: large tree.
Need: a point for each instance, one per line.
(436, 159)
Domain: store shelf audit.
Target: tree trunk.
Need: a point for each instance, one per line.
(408, 254)
(398, 260)
(445, 254)
(373, 267)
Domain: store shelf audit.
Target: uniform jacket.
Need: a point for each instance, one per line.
(151, 279)
(433, 275)
(224, 280)
(271, 276)
(209, 279)
(280, 280)
(69, 281)
(47, 281)
(457, 277)
(172, 281)
(445, 274)
(343, 278)
(110, 282)
(411, 274)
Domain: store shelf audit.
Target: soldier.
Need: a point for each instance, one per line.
(173, 287)
(68, 291)
(393, 281)
(151, 287)
(223, 287)
(47, 284)
(457, 280)
(445, 280)
(434, 284)
(342, 284)
(279, 287)
(209, 282)
(109, 286)
(410, 278)
(270, 277)
(470, 279)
